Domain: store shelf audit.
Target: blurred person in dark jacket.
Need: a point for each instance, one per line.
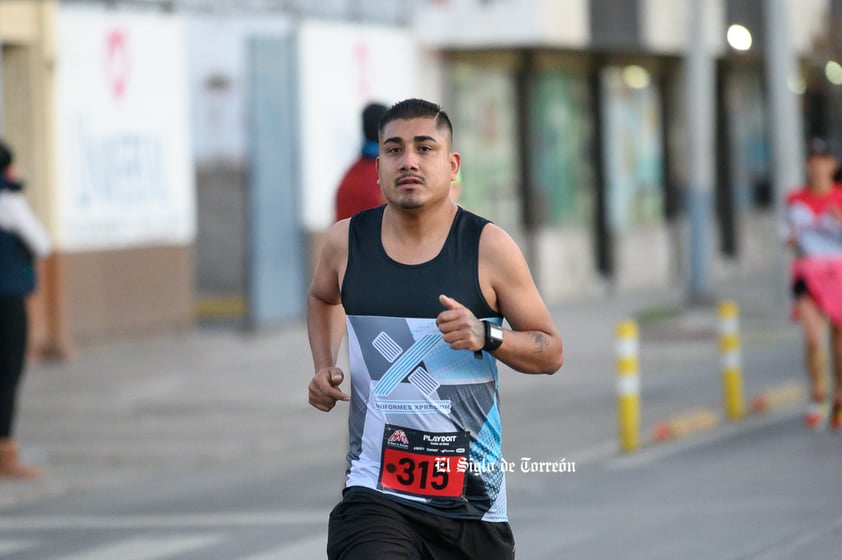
(359, 189)
(22, 239)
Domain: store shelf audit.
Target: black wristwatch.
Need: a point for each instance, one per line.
(493, 336)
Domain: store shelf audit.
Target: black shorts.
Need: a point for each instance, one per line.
(367, 526)
(799, 288)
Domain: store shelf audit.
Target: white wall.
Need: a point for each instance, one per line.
(807, 20)
(666, 25)
(566, 23)
(643, 259)
(565, 264)
(125, 176)
(217, 49)
(342, 67)
(470, 23)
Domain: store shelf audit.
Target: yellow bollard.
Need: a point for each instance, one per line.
(628, 386)
(729, 346)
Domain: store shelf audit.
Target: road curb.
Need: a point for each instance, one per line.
(690, 422)
(697, 420)
(783, 395)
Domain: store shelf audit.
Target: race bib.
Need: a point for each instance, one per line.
(428, 464)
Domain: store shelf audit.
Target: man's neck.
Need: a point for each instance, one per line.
(419, 222)
(416, 236)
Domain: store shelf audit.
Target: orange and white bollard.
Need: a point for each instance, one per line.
(729, 346)
(628, 386)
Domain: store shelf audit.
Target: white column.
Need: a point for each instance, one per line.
(700, 100)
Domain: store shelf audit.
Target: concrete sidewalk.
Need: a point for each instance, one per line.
(141, 408)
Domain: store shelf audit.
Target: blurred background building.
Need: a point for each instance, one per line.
(185, 153)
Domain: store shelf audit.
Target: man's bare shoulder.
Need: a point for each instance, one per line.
(336, 238)
(334, 247)
(501, 260)
(497, 245)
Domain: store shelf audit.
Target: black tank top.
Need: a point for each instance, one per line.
(375, 284)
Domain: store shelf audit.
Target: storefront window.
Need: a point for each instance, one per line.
(633, 148)
(483, 111)
(749, 156)
(561, 154)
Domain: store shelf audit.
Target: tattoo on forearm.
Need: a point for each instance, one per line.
(540, 341)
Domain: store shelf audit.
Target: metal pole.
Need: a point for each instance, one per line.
(628, 386)
(732, 368)
(785, 119)
(1, 83)
(699, 96)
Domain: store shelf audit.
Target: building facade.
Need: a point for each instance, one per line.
(141, 130)
(95, 106)
(572, 123)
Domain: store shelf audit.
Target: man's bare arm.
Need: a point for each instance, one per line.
(326, 321)
(533, 345)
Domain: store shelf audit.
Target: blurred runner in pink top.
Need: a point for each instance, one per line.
(814, 220)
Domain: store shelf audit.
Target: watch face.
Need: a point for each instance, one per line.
(496, 333)
(493, 336)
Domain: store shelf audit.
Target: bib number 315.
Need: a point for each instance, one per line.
(423, 463)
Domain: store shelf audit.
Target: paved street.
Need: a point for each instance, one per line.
(765, 488)
(201, 445)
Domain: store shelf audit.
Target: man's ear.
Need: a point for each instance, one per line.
(455, 164)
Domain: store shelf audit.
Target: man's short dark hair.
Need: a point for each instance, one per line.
(6, 157)
(417, 109)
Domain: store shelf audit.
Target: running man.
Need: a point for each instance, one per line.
(422, 287)
(814, 219)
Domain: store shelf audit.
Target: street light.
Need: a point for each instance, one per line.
(739, 37)
(833, 71)
(636, 77)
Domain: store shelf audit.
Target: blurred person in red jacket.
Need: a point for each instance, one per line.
(359, 189)
(22, 239)
(814, 222)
